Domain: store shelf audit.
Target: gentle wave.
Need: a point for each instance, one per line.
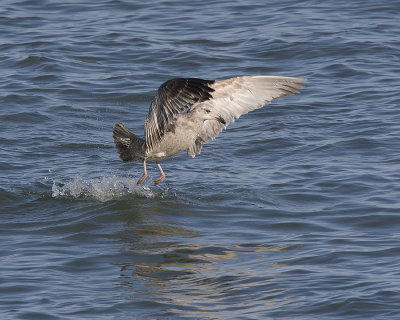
(301, 196)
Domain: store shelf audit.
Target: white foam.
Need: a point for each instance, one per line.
(102, 189)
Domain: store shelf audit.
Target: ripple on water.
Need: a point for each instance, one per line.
(292, 213)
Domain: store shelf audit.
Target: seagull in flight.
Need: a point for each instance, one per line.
(186, 112)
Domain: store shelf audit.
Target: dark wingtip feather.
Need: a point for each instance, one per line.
(174, 96)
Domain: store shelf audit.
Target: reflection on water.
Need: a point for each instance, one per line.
(231, 275)
(291, 213)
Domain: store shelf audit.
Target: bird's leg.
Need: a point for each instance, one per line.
(162, 177)
(144, 176)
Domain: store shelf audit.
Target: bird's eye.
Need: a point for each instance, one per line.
(207, 110)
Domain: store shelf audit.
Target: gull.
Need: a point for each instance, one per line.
(186, 112)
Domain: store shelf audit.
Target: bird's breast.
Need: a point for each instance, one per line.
(180, 136)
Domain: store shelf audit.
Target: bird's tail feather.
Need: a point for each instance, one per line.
(129, 145)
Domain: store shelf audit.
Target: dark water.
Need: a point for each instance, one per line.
(292, 213)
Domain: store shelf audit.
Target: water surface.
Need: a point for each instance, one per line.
(292, 213)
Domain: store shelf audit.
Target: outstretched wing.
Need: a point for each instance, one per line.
(236, 96)
(173, 97)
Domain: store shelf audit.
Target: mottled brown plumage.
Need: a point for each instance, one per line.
(185, 113)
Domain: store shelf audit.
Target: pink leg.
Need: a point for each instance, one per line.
(162, 177)
(144, 176)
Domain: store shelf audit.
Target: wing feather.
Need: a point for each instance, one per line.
(234, 97)
(175, 96)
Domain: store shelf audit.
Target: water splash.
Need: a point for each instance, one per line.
(101, 189)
